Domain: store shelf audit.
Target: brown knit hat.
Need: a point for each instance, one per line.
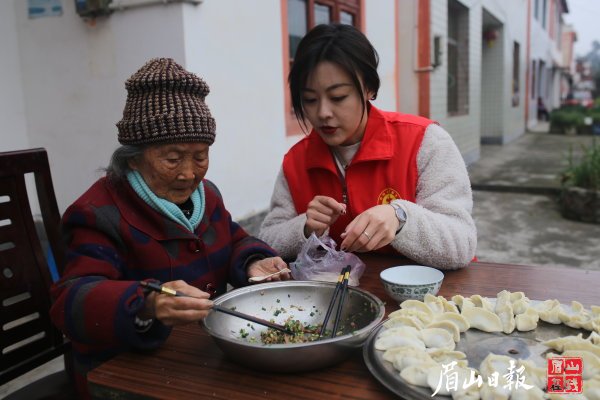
(165, 104)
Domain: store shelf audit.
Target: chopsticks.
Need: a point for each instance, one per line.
(155, 287)
(342, 285)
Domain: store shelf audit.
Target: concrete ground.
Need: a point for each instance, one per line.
(515, 192)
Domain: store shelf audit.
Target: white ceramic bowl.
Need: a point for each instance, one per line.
(411, 281)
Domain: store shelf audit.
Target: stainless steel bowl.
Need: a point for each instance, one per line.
(306, 301)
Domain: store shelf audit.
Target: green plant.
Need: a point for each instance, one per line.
(585, 172)
(567, 118)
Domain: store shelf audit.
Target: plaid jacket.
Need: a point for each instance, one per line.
(115, 240)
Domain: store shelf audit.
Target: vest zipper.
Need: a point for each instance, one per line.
(342, 178)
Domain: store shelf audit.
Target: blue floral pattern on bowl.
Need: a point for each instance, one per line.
(415, 292)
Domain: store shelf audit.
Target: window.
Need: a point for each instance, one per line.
(305, 14)
(515, 80)
(458, 58)
(302, 15)
(533, 75)
(544, 12)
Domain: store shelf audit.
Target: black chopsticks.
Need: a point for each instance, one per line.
(155, 287)
(342, 285)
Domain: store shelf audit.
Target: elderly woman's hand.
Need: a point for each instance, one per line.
(371, 230)
(171, 310)
(268, 266)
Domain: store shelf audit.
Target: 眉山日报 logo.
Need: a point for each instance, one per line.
(565, 375)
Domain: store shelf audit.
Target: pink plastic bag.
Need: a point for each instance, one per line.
(318, 260)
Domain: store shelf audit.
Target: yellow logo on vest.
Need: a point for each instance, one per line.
(388, 195)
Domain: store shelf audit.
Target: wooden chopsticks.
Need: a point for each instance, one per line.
(342, 285)
(170, 292)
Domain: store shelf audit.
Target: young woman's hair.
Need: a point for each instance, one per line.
(343, 45)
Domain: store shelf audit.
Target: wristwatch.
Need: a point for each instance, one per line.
(400, 213)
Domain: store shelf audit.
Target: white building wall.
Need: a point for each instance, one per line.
(13, 134)
(380, 28)
(465, 129)
(73, 83)
(408, 84)
(541, 48)
(237, 47)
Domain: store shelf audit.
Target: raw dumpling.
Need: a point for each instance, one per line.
(444, 356)
(404, 320)
(437, 338)
(575, 316)
(534, 375)
(528, 320)
(424, 317)
(437, 380)
(405, 360)
(391, 354)
(388, 342)
(417, 374)
(497, 392)
(462, 302)
(482, 302)
(449, 326)
(495, 363)
(434, 303)
(591, 362)
(416, 305)
(582, 345)
(591, 389)
(558, 344)
(548, 311)
(534, 393)
(520, 306)
(482, 319)
(507, 318)
(459, 320)
(402, 331)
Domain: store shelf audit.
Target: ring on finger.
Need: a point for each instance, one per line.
(367, 234)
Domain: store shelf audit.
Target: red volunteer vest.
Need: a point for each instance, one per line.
(383, 169)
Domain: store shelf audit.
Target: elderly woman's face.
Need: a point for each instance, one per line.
(173, 171)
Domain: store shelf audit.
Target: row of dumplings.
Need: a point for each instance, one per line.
(421, 337)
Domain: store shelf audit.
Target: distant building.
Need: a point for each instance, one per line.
(475, 66)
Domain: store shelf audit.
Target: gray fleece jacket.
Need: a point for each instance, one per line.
(439, 229)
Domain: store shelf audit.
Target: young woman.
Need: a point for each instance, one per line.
(372, 180)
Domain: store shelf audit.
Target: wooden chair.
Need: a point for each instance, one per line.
(28, 338)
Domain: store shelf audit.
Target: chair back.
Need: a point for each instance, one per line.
(28, 338)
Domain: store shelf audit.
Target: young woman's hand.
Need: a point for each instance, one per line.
(321, 213)
(268, 266)
(371, 230)
(171, 310)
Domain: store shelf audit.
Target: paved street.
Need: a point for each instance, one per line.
(516, 209)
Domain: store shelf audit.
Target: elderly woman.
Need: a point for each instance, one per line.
(153, 217)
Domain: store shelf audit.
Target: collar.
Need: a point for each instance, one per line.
(143, 217)
(376, 144)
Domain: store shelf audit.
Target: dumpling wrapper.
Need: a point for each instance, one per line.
(437, 338)
(388, 342)
(558, 344)
(505, 313)
(404, 320)
(424, 317)
(482, 302)
(482, 319)
(402, 331)
(449, 326)
(549, 310)
(458, 319)
(416, 305)
(527, 321)
(417, 374)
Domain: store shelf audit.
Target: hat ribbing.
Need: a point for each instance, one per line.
(165, 104)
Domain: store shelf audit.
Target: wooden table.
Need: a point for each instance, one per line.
(190, 366)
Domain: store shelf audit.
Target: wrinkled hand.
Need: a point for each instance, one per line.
(171, 310)
(371, 230)
(321, 213)
(267, 266)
